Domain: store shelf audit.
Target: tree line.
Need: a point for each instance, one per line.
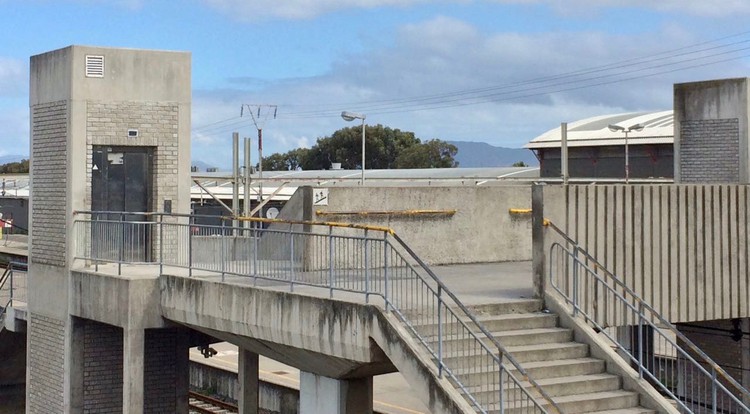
(385, 148)
(19, 167)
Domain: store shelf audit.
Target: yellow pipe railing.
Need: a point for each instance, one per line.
(387, 213)
(316, 223)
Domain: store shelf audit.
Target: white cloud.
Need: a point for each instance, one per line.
(695, 7)
(307, 9)
(298, 9)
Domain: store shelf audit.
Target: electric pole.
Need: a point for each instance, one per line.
(260, 113)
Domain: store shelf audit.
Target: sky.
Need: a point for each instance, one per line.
(495, 71)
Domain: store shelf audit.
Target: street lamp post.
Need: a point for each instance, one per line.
(351, 116)
(616, 128)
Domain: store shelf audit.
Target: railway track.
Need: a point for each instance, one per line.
(203, 404)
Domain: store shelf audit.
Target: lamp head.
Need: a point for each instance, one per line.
(615, 128)
(351, 116)
(636, 127)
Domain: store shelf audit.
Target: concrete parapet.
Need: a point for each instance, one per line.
(330, 338)
(481, 230)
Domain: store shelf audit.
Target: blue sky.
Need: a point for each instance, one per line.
(497, 71)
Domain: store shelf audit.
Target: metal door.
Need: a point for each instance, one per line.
(121, 182)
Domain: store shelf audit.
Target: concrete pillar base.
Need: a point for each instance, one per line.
(323, 395)
(133, 356)
(249, 382)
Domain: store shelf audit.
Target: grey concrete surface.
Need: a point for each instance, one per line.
(488, 233)
(475, 284)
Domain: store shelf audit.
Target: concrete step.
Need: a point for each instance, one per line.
(583, 403)
(472, 376)
(599, 401)
(520, 306)
(506, 338)
(548, 352)
(555, 387)
(523, 354)
(634, 410)
(563, 368)
(493, 323)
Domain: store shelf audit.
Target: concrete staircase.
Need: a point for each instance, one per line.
(564, 368)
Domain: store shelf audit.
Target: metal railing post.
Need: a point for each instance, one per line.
(367, 273)
(161, 244)
(575, 281)
(502, 385)
(191, 223)
(94, 244)
(640, 340)
(385, 270)
(713, 390)
(122, 244)
(256, 241)
(222, 247)
(291, 259)
(11, 282)
(440, 331)
(330, 260)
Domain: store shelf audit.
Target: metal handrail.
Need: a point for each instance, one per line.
(4, 278)
(451, 313)
(645, 314)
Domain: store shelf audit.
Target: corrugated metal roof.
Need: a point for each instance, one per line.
(594, 131)
(219, 183)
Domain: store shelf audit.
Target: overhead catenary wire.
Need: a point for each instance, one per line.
(688, 57)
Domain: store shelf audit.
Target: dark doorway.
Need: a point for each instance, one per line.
(121, 182)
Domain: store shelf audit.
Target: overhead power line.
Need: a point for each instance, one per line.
(701, 54)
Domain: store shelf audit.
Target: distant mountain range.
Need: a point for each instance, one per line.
(481, 154)
(470, 155)
(6, 159)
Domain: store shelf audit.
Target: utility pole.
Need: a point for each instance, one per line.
(260, 113)
(246, 182)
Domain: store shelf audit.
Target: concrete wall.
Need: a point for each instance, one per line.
(102, 371)
(46, 365)
(711, 131)
(273, 398)
(482, 230)
(683, 248)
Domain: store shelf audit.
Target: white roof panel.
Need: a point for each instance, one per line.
(594, 131)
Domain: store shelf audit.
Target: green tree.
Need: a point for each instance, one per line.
(519, 164)
(384, 148)
(284, 162)
(15, 167)
(431, 154)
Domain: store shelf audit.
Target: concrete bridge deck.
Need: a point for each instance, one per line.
(475, 284)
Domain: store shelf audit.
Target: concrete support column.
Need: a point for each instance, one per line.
(745, 357)
(323, 395)
(133, 364)
(249, 382)
(75, 366)
(538, 247)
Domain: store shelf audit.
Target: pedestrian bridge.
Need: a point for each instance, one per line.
(344, 303)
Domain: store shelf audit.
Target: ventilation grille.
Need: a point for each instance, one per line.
(94, 66)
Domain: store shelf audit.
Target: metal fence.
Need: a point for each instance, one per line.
(370, 261)
(12, 287)
(651, 345)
